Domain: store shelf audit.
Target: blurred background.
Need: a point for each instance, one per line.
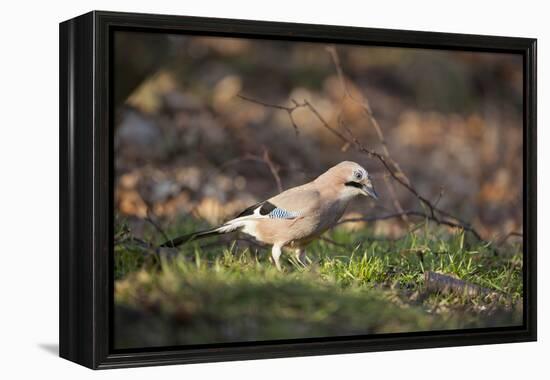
(195, 144)
(187, 146)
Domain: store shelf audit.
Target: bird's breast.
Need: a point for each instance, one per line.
(301, 229)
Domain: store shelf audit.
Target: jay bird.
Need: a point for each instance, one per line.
(298, 215)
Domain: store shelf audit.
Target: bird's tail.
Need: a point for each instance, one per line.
(173, 243)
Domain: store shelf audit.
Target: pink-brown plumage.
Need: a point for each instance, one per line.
(301, 214)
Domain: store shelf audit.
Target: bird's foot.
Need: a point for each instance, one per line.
(301, 258)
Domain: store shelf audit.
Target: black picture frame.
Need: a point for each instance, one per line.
(86, 187)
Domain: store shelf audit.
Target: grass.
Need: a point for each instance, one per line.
(214, 293)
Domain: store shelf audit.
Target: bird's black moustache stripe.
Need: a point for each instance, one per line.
(354, 184)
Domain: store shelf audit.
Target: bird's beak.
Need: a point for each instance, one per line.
(368, 190)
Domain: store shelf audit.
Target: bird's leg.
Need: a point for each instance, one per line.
(275, 254)
(300, 255)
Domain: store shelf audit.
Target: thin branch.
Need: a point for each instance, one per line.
(365, 106)
(324, 123)
(284, 108)
(330, 241)
(383, 217)
(289, 110)
(432, 208)
(273, 168)
(265, 158)
(149, 218)
(133, 240)
(510, 234)
(396, 204)
(439, 196)
(414, 213)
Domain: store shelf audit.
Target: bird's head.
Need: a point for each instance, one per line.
(351, 178)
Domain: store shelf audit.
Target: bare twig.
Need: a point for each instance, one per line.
(150, 218)
(396, 204)
(383, 217)
(330, 241)
(365, 106)
(439, 196)
(265, 158)
(289, 110)
(509, 235)
(411, 213)
(134, 241)
(273, 168)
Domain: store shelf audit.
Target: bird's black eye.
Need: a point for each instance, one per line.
(357, 175)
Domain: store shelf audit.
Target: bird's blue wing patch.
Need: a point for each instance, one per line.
(270, 210)
(279, 213)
